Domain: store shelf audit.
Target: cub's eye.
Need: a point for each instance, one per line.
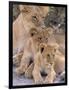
(40, 38)
(53, 55)
(42, 49)
(54, 50)
(48, 55)
(34, 17)
(46, 38)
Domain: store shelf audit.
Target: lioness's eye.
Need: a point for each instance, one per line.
(32, 34)
(43, 17)
(34, 17)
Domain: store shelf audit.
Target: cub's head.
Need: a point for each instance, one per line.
(48, 51)
(36, 35)
(41, 36)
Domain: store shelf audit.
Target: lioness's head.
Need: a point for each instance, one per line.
(35, 14)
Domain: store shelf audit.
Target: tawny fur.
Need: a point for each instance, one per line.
(31, 48)
(48, 61)
(26, 20)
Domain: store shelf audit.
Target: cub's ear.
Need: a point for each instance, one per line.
(33, 31)
(56, 48)
(50, 30)
(55, 45)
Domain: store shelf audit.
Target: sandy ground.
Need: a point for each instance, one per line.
(21, 80)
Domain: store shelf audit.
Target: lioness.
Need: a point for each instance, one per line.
(30, 16)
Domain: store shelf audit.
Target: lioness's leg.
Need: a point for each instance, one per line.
(23, 66)
(36, 75)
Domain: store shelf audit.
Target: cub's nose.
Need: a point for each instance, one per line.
(43, 74)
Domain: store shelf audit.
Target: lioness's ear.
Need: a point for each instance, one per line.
(24, 8)
(43, 10)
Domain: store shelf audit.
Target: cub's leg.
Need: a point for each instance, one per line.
(36, 71)
(37, 76)
(28, 72)
(51, 76)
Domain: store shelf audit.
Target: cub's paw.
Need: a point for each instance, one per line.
(28, 72)
(39, 81)
(17, 59)
(48, 81)
(18, 71)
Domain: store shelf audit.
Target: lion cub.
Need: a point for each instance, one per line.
(47, 63)
(30, 50)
